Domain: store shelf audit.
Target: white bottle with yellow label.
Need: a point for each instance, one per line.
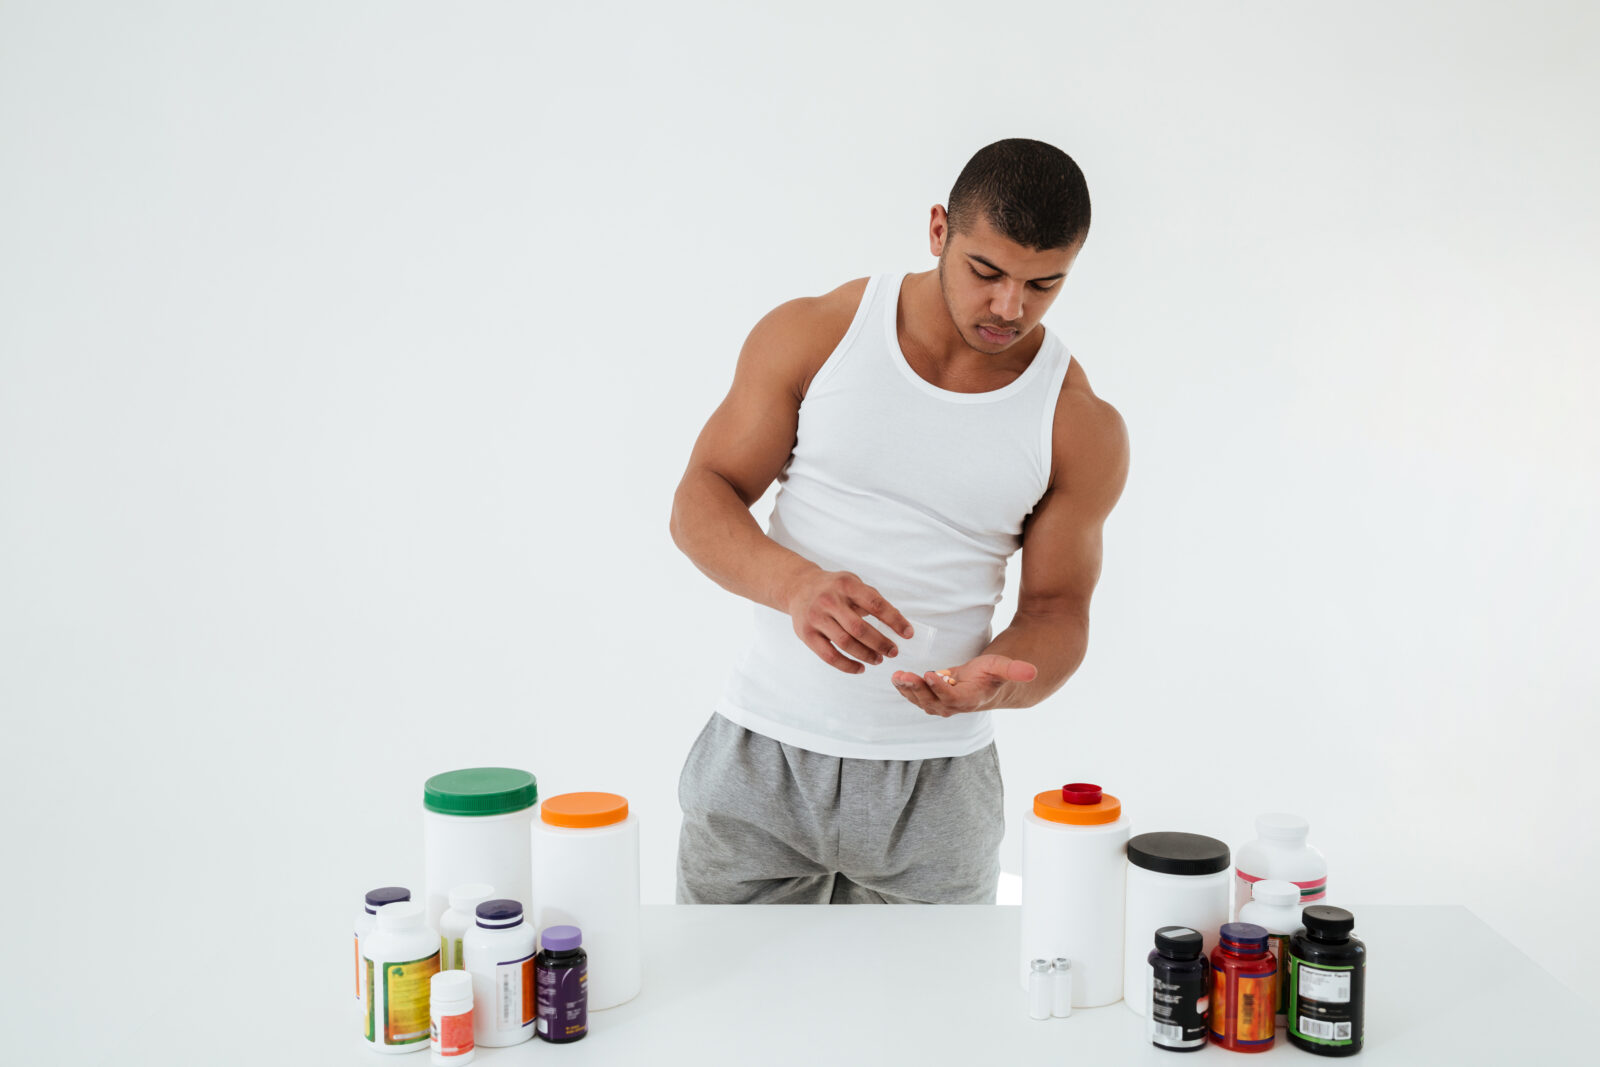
(457, 919)
(399, 958)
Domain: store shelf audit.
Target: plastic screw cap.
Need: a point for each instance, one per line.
(499, 913)
(1080, 793)
(389, 894)
(468, 897)
(1328, 922)
(562, 938)
(400, 914)
(1179, 942)
(451, 985)
(1275, 892)
(1282, 826)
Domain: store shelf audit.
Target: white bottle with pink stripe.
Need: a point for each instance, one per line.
(1280, 851)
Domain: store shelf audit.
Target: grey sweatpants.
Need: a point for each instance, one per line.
(768, 823)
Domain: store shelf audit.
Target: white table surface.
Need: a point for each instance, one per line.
(773, 985)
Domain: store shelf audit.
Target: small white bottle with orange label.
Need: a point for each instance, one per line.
(498, 951)
(450, 1006)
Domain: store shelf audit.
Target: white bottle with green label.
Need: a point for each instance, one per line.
(400, 957)
(457, 919)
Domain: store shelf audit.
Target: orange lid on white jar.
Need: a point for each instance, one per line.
(581, 811)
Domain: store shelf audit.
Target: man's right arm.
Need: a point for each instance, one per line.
(740, 451)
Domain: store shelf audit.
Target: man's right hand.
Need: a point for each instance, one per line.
(829, 610)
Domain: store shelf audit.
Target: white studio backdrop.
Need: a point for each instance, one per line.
(350, 355)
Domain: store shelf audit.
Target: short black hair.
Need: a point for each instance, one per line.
(1031, 192)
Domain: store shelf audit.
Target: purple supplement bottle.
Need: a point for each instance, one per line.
(561, 975)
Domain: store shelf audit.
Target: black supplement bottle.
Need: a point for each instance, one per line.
(1327, 983)
(1180, 990)
(561, 976)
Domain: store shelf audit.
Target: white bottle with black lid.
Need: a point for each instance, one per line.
(1174, 879)
(498, 952)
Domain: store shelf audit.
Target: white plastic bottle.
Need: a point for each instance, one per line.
(453, 924)
(366, 919)
(1174, 879)
(401, 955)
(1276, 906)
(1073, 883)
(475, 829)
(586, 874)
(498, 950)
(450, 1009)
(1280, 851)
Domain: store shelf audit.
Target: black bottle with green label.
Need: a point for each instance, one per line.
(1327, 983)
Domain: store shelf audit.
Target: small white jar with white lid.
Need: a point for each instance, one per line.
(475, 829)
(401, 956)
(1276, 908)
(586, 874)
(1280, 851)
(499, 951)
(457, 919)
(450, 1039)
(1174, 879)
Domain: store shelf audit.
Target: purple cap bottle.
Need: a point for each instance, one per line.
(561, 976)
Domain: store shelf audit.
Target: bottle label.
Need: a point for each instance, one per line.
(371, 1030)
(451, 1035)
(513, 994)
(458, 959)
(1243, 1005)
(405, 1000)
(1178, 1010)
(1320, 1008)
(1278, 946)
(564, 1002)
(358, 966)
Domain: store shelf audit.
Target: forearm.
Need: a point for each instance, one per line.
(1055, 643)
(714, 528)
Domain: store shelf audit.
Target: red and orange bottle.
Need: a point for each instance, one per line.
(1243, 989)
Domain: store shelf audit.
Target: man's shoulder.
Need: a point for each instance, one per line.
(805, 331)
(1090, 438)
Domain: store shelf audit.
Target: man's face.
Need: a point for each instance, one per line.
(996, 290)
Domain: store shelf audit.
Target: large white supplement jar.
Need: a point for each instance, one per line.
(475, 826)
(1174, 879)
(1280, 852)
(586, 874)
(1073, 875)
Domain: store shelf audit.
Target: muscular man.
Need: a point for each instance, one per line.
(922, 428)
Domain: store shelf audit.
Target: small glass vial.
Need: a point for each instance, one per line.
(450, 1013)
(1242, 989)
(1327, 984)
(1180, 990)
(561, 974)
(1039, 997)
(1061, 988)
(457, 919)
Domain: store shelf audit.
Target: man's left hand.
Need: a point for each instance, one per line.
(968, 687)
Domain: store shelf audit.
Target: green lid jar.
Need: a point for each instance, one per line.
(480, 791)
(477, 826)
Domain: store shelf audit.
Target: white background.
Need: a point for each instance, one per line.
(350, 354)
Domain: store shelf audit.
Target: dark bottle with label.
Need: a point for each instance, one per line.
(1180, 990)
(561, 975)
(1327, 983)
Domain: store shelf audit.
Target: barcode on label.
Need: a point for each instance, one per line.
(1319, 1028)
(1165, 1032)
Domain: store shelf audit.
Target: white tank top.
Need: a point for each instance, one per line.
(922, 493)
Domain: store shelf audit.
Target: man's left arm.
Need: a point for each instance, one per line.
(1061, 554)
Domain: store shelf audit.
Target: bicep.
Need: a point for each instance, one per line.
(1062, 543)
(750, 436)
